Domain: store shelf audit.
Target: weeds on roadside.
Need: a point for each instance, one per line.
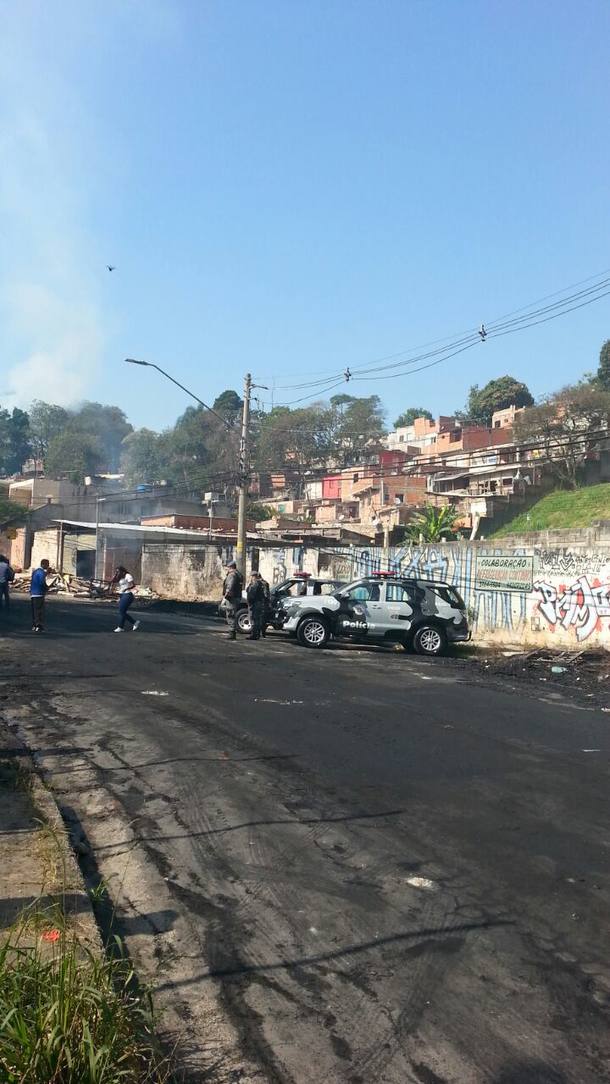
(70, 1016)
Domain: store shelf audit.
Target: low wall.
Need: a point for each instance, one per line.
(546, 589)
(525, 590)
(189, 572)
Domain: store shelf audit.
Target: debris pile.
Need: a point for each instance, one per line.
(77, 587)
(585, 672)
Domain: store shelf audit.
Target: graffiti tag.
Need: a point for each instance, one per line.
(580, 606)
(566, 562)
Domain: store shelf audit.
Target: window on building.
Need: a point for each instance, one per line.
(497, 424)
(355, 477)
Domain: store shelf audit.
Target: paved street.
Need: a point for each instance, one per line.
(350, 866)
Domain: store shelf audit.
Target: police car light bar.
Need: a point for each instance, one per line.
(302, 575)
(383, 575)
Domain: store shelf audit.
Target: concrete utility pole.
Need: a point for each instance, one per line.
(244, 474)
(244, 450)
(98, 501)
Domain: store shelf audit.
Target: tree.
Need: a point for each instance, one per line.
(566, 428)
(361, 423)
(74, 455)
(108, 425)
(19, 438)
(46, 421)
(498, 394)
(11, 512)
(14, 440)
(432, 525)
(295, 440)
(142, 457)
(228, 402)
(339, 402)
(603, 372)
(409, 416)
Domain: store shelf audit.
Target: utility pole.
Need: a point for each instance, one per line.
(244, 474)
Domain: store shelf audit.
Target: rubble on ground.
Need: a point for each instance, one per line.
(584, 672)
(77, 587)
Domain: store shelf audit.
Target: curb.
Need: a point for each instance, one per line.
(75, 899)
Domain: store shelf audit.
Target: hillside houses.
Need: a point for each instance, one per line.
(478, 470)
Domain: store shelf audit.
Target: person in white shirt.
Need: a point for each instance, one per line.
(126, 598)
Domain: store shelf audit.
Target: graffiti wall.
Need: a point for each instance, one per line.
(516, 594)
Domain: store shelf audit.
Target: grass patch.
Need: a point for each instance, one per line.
(70, 1016)
(13, 776)
(562, 508)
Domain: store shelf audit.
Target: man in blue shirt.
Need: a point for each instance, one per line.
(38, 590)
(6, 576)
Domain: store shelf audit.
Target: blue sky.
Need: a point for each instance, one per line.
(295, 187)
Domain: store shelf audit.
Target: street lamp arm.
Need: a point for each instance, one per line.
(151, 365)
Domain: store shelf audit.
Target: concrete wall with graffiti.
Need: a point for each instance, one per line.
(553, 590)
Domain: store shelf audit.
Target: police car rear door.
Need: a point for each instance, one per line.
(398, 606)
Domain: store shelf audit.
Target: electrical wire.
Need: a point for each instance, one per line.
(518, 319)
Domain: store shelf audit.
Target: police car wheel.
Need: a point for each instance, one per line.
(313, 632)
(430, 640)
(243, 621)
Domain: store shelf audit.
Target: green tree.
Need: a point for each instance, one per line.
(603, 372)
(295, 440)
(228, 402)
(496, 395)
(409, 416)
(361, 423)
(108, 425)
(14, 440)
(339, 402)
(11, 512)
(432, 524)
(199, 449)
(46, 421)
(566, 428)
(142, 457)
(73, 455)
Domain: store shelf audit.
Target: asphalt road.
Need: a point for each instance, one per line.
(344, 866)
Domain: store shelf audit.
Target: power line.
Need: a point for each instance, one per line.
(502, 325)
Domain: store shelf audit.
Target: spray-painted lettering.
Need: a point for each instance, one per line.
(579, 606)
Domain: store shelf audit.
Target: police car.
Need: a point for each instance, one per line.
(301, 585)
(423, 615)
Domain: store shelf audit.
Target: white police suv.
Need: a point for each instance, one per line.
(423, 615)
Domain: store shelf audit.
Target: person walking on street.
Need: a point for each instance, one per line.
(231, 592)
(6, 576)
(255, 595)
(126, 599)
(38, 590)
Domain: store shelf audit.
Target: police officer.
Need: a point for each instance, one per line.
(231, 592)
(267, 608)
(255, 594)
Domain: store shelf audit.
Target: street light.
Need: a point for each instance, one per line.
(151, 365)
(244, 444)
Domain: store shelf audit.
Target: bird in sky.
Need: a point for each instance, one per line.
(482, 333)
(110, 267)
